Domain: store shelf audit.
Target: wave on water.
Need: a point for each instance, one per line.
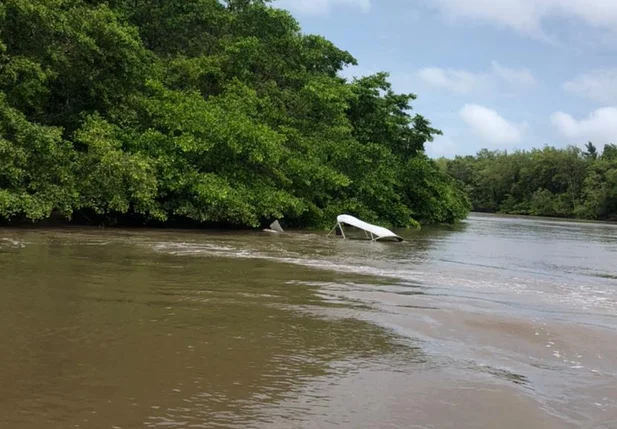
(466, 282)
(11, 243)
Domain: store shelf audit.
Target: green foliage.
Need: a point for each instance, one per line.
(36, 168)
(113, 180)
(65, 59)
(219, 112)
(610, 152)
(591, 151)
(543, 182)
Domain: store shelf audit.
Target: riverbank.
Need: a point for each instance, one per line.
(541, 218)
(550, 181)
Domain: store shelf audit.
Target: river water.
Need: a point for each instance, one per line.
(493, 323)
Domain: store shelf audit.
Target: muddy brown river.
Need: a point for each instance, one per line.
(493, 323)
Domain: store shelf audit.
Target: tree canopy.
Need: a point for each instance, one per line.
(208, 111)
(569, 183)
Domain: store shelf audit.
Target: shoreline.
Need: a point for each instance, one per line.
(540, 218)
(184, 225)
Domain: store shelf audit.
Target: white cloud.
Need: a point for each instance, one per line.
(527, 16)
(513, 76)
(321, 7)
(458, 81)
(465, 82)
(442, 146)
(599, 127)
(490, 126)
(598, 85)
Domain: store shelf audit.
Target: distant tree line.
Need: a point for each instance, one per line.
(569, 183)
(215, 112)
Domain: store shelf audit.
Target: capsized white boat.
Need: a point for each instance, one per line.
(373, 232)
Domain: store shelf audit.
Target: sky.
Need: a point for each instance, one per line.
(495, 74)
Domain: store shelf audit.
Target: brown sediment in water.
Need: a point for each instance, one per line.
(157, 329)
(381, 399)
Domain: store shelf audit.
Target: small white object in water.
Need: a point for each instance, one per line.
(275, 228)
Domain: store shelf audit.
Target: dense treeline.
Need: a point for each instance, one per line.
(544, 182)
(201, 110)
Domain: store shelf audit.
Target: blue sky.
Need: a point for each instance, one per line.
(497, 74)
